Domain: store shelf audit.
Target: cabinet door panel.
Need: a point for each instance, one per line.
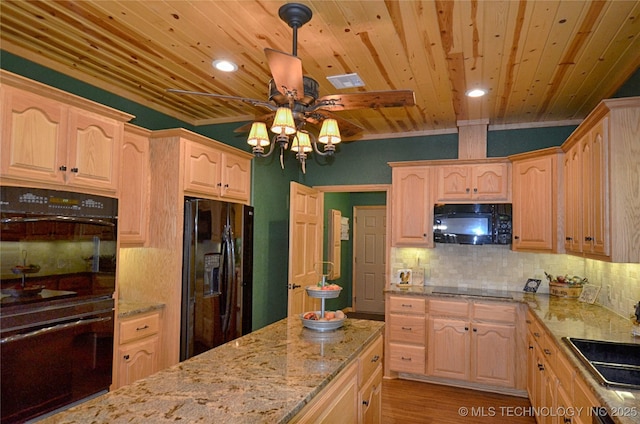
(490, 182)
(454, 183)
(493, 354)
(597, 238)
(412, 208)
(573, 200)
(449, 344)
(202, 170)
(93, 150)
(236, 181)
(134, 191)
(534, 204)
(137, 360)
(33, 131)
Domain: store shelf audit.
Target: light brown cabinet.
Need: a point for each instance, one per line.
(354, 396)
(412, 207)
(53, 139)
(370, 384)
(133, 215)
(536, 200)
(602, 174)
(552, 382)
(473, 341)
(480, 182)
(214, 172)
(406, 332)
(138, 347)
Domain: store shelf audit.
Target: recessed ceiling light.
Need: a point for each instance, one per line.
(476, 92)
(225, 65)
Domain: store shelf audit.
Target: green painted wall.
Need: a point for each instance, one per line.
(363, 162)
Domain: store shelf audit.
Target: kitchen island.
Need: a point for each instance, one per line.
(267, 376)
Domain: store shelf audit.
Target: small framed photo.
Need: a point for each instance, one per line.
(404, 276)
(532, 285)
(589, 293)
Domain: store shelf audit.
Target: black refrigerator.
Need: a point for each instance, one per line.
(217, 274)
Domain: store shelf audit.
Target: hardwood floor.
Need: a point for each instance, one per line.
(413, 402)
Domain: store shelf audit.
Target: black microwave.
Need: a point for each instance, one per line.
(472, 223)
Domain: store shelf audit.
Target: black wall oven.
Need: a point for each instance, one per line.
(57, 277)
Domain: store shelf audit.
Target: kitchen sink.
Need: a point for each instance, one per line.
(613, 364)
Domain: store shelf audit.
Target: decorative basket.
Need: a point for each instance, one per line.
(564, 290)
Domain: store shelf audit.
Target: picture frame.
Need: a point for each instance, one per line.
(404, 276)
(589, 293)
(531, 286)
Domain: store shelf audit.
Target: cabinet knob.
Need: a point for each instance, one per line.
(63, 168)
(588, 238)
(144, 327)
(407, 328)
(365, 402)
(547, 352)
(567, 420)
(516, 237)
(74, 170)
(530, 347)
(226, 186)
(405, 359)
(466, 328)
(475, 190)
(475, 330)
(467, 190)
(568, 238)
(219, 185)
(375, 358)
(126, 357)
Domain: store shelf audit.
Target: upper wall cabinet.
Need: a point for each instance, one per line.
(412, 207)
(602, 169)
(53, 139)
(211, 169)
(536, 200)
(215, 171)
(475, 182)
(134, 193)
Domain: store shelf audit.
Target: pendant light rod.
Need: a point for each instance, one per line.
(295, 15)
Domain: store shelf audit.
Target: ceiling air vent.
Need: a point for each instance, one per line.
(346, 81)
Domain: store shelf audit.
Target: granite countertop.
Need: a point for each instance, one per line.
(264, 377)
(562, 317)
(128, 308)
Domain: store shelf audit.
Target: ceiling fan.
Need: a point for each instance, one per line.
(290, 89)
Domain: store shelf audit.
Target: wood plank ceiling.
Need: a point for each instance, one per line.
(543, 62)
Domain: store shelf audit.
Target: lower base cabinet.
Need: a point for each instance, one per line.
(354, 396)
(138, 347)
(552, 383)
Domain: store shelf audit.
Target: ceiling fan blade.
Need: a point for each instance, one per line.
(254, 102)
(366, 100)
(348, 130)
(287, 73)
(267, 119)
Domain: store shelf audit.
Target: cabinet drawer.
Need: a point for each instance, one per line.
(406, 358)
(405, 304)
(495, 312)
(449, 308)
(369, 361)
(139, 327)
(407, 329)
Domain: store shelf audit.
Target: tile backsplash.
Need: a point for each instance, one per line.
(500, 268)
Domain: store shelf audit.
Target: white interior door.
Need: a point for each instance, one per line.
(369, 258)
(305, 246)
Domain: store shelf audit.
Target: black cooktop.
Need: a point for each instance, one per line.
(501, 294)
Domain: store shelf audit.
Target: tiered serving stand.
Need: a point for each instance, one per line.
(313, 291)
